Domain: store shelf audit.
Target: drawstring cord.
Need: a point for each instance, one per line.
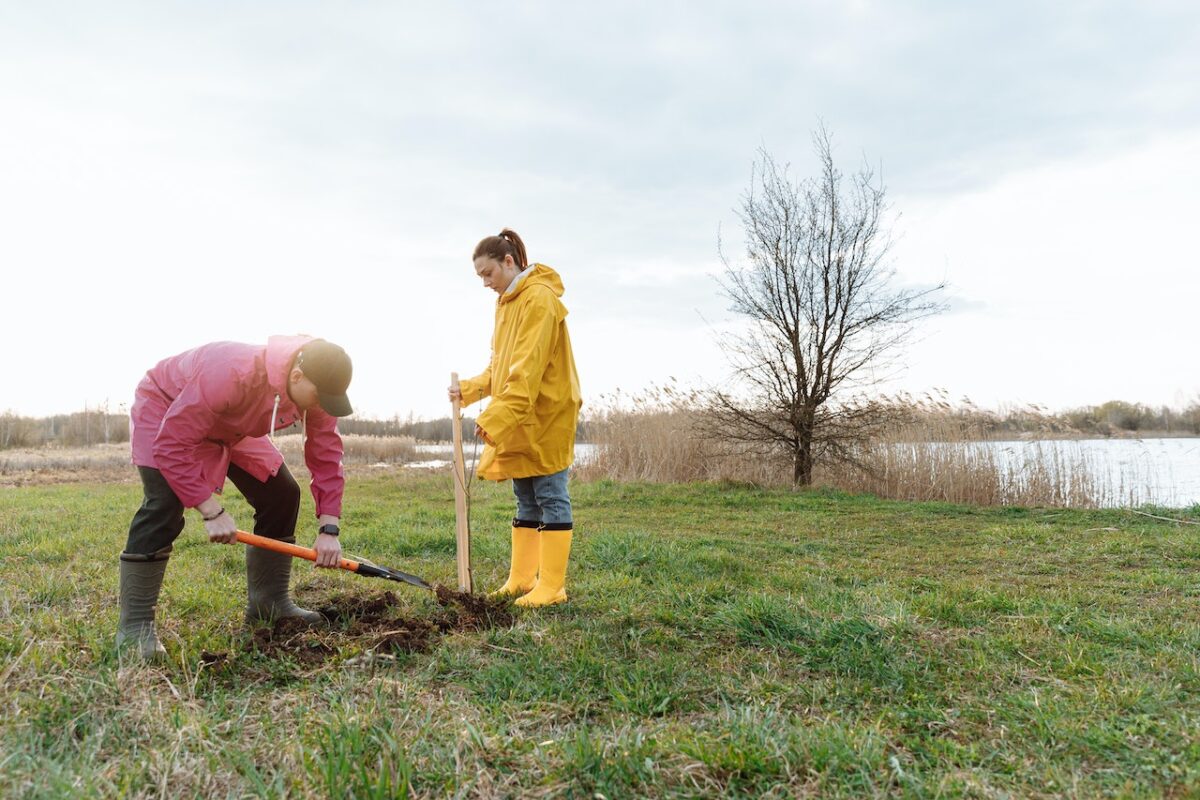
(274, 414)
(303, 424)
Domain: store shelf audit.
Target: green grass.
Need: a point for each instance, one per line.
(720, 641)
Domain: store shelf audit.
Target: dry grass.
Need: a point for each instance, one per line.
(974, 472)
(48, 465)
(662, 447)
(939, 454)
(64, 458)
(111, 462)
(653, 437)
(359, 449)
(932, 452)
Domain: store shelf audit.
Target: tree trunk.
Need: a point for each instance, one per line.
(802, 464)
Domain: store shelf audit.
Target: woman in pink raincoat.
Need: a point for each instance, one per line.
(207, 414)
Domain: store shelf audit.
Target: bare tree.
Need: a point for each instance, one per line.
(816, 286)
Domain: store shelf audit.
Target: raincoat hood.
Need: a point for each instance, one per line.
(540, 275)
(281, 352)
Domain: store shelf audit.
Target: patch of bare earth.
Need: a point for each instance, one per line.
(373, 622)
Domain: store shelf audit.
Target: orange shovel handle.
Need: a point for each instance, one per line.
(290, 549)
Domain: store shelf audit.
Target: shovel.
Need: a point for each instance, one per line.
(366, 570)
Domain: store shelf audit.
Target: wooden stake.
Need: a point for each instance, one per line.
(462, 531)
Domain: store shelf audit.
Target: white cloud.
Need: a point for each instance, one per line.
(1086, 273)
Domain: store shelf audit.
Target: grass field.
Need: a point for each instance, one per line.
(720, 641)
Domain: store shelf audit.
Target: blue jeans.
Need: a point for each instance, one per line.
(542, 502)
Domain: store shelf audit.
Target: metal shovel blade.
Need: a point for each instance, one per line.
(373, 571)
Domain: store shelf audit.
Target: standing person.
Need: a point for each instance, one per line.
(209, 413)
(528, 429)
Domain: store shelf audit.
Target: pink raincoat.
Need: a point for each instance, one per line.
(196, 412)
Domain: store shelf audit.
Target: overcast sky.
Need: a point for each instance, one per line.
(178, 173)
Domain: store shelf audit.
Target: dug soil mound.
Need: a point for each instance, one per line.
(374, 624)
(472, 612)
(293, 639)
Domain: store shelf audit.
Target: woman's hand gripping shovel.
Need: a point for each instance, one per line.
(364, 569)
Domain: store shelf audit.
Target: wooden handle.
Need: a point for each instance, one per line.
(290, 549)
(462, 531)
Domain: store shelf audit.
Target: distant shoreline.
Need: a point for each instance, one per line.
(1060, 436)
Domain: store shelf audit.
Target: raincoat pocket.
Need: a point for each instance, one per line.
(520, 441)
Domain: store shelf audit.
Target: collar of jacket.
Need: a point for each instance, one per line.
(536, 275)
(517, 278)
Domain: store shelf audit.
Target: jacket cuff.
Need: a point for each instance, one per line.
(472, 391)
(327, 499)
(329, 507)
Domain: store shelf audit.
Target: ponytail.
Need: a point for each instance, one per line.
(506, 243)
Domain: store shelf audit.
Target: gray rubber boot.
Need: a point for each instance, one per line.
(267, 578)
(141, 581)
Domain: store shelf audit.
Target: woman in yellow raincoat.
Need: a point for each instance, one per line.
(528, 429)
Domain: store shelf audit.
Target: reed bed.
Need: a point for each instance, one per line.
(654, 436)
(359, 449)
(928, 453)
(662, 447)
(33, 459)
(660, 437)
(112, 461)
(977, 473)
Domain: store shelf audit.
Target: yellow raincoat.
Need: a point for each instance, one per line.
(532, 382)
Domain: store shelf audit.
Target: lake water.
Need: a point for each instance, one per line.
(1161, 471)
(441, 454)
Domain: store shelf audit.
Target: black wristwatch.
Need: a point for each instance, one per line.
(329, 529)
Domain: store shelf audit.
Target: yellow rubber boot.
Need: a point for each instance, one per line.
(552, 580)
(526, 555)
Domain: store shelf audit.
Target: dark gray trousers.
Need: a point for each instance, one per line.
(159, 521)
